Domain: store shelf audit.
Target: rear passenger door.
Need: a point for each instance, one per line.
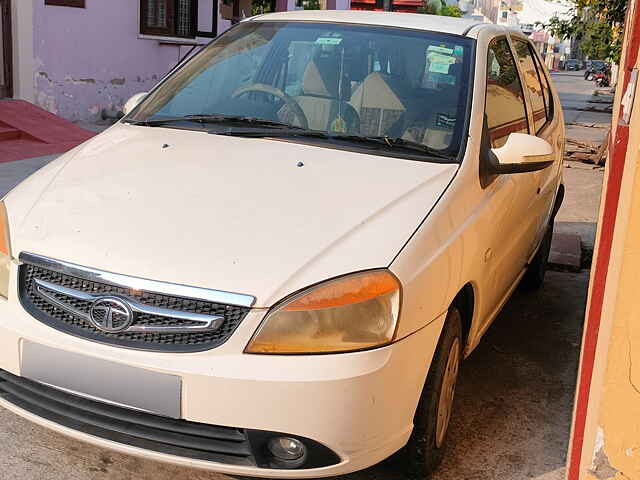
(544, 125)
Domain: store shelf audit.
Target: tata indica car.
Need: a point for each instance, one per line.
(274, 264)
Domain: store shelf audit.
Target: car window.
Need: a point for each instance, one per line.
(505, 106)
(359, 80)
(546, 89)
(533, 84)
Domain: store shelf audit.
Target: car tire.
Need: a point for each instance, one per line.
(426, 447)
(534, 277)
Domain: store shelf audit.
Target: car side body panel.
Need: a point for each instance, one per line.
(479, 236)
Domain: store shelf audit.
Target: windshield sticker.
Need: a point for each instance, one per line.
(443, 78)
(435, 48)
(458, 50)
(439, 63)
(328, 41)
(438, 67)
(445, 121)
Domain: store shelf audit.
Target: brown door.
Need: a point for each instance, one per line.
(6, 57)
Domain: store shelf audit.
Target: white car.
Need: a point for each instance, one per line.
(275, 263)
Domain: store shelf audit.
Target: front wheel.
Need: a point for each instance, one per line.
(425, 449)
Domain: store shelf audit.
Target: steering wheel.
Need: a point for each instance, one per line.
(261, 87)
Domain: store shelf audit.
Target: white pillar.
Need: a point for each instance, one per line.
(22, 43)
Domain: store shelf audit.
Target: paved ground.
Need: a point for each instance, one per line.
(580, 211)
(576, 95)
(513, 407)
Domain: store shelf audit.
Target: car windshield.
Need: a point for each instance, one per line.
(338, 80)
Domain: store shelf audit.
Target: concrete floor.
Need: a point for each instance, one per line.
(513, 407)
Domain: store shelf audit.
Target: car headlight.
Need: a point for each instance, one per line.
(5, 252)
(349, 313)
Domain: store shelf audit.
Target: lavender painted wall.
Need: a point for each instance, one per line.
(90, 59)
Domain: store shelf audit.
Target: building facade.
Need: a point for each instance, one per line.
(605, 442)
(82, 58)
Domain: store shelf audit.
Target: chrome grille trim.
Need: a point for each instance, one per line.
(208, 323)
(137, 283)
(112, 316)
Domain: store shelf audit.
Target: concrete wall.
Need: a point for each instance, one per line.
(605, 442)
(94, 58)
(75, 62)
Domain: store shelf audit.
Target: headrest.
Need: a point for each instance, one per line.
(379, 91)
(321, 77)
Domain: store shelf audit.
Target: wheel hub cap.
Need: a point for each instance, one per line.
(447, 392)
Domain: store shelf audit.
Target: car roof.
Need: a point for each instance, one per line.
(433, 23)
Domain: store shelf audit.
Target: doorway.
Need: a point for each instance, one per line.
(6, 55)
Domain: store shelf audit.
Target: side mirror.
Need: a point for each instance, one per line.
(133, 102)
(522, 153)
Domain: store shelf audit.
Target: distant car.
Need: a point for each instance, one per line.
(274, 264)
(572, 64)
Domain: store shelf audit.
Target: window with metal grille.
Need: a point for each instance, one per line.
(169, 18)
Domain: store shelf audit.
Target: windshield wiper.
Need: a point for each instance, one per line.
(380, 142)
(395, 142)
(205, 119)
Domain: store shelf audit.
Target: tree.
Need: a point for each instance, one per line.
(597, 24)
(451, 11)
(439, 7)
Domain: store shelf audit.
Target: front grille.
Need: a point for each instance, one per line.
(200, 441)
(56, 317)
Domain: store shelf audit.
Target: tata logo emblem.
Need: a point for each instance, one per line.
(111, 314)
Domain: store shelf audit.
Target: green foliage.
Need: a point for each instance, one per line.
(596, 24)
(451, 11)
(259, 7)
(439, 7)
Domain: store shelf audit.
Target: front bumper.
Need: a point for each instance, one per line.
(358, 405)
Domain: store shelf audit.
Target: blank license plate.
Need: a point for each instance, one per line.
(103, 380)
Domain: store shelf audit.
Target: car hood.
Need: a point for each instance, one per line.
(262, 217)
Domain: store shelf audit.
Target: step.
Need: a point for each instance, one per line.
(566, 251)
(8, 133)
(21, 148)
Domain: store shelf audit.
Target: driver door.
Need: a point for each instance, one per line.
(508, 197)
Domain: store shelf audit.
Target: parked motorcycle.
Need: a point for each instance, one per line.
(594, 67)
(602, 79)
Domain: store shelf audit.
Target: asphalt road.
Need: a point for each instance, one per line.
(513, 407)
(574, 91)
(575, 95)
